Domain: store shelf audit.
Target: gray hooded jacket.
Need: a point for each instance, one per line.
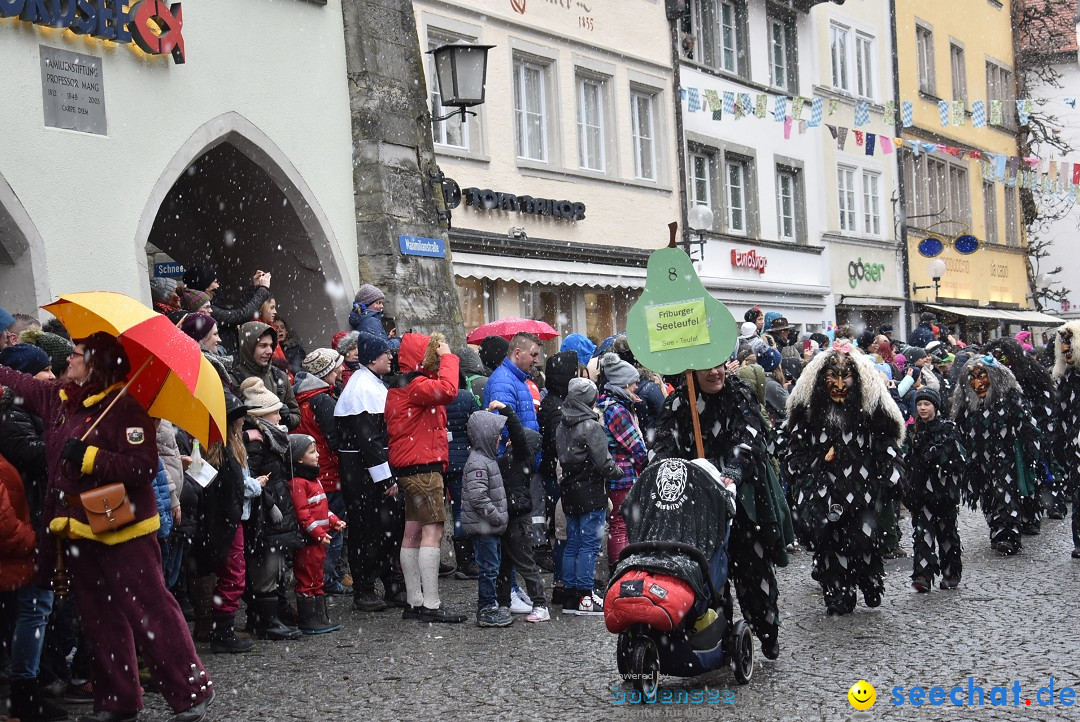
(582, 446)
(483, 496)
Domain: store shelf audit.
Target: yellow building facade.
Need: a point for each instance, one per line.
(961, 51)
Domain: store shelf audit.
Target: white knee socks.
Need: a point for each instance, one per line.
(429, 575)
(410, 569)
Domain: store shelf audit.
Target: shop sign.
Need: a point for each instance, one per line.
(72, 91)
(748, 259)
(859, 271)
(418, 246)
(489, 200)
(153, 25)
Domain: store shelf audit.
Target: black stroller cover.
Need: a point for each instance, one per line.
(675, 500)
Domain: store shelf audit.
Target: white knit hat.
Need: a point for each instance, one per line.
(322, 361)
(257, 398)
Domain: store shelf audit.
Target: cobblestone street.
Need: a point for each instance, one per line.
(380, 667)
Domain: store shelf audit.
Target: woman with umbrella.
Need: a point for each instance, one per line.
(115, 574)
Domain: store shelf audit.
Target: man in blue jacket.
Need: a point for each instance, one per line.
(507, 382)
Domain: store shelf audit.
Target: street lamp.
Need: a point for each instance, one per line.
(700, 219)
(461, 69)
(936, 269)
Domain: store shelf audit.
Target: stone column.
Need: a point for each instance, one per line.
(393, 161)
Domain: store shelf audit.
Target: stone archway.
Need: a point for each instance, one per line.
(23, 280)
(231, 196)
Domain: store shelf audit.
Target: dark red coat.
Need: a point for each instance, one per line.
(317, 421)
(416, 407)
(17, 539)
(123, 450)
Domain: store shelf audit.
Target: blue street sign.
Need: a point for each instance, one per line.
(169, 269)
(419, 246)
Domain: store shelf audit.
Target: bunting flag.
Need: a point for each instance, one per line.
(871, 139)
(858, 138)
(889, 114)
(747, 105)
(682, 94)
(1076, 174)
(695, 100)
(959, 112)
(841, 137)
(916, 147)
(714, 102)
(833, 105)
(760, 103)
(943, 111)
(1052, 171)
(802, 127)
(887, 146)
(996, 112)
(729, 102)
(862, 112)
(787, 128)
(817, 112)
(999, 166)
(796, 108)
(907, 112)
(779, 109)
(1023, 110)
(978, 113)
(1012, 167)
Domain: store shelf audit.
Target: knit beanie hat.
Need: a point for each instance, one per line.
(58, 347)
(748, 329)
(162, 288)
(770, 360)
(257, 398)
(298, 444)
(928, 394)
(200, 276)
(192, 300)
(348, 342)
(198, 325)
(914, 353)
(581, 390)
(770, 318)
(493, 350)
(25, 357)
(370, 347)
(618, 372)
(322, 361)
(368, 294)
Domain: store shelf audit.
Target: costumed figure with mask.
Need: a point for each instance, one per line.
(735, 439)
(1038, 388)
(840, 447)
(998, 430)
(1067, 413)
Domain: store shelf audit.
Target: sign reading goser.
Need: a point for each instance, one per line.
(153, 25)
(748, 259)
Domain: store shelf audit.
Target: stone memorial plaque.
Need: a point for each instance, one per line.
(73, 91)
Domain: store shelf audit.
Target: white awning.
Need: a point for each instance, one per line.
(547, 272)
(1034, 318)
(871, 301)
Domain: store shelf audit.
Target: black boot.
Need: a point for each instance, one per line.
(30, 705)
(267, 624)
(223, 637)
(324, 612)
(466, 565)
(310, 611)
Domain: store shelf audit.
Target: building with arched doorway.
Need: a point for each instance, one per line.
(116, 159)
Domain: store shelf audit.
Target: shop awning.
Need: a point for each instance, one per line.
(547, 272)
(1034, 318)
(870, 301)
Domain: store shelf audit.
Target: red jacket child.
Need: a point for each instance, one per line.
(313, 515)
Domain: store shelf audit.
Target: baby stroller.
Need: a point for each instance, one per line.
(668, 599)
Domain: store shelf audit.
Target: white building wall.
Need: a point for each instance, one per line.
(86, 195)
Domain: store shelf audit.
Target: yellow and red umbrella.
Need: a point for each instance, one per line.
(169, 375)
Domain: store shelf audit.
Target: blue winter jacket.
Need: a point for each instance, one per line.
(457, 423)
(164, 503)
(364, 320)
(507, 384)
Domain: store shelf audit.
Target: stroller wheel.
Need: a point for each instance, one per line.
(645, 666)
(742, 652)
(622, 653)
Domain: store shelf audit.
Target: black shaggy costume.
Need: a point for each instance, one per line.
(999, 433)
(840, 448)
(1038, 388)
(1067, 413)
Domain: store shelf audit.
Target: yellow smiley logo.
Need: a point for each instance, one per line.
(862, 695)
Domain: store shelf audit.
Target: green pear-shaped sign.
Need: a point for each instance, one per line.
(675, 324)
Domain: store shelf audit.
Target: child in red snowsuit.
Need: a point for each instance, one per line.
(316, 521)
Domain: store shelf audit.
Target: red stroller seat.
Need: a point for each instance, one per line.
(640, 597)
